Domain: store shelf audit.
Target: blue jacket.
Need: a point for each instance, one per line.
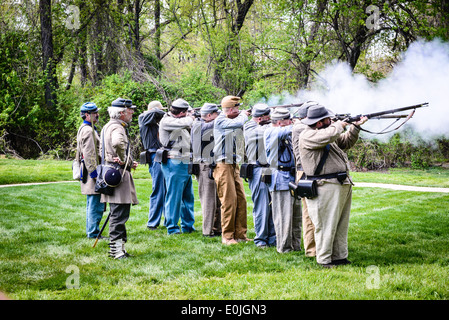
(279, 150)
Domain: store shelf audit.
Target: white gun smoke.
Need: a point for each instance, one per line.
(421, 76)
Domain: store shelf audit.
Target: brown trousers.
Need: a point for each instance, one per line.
(233, 201)
(308, 229)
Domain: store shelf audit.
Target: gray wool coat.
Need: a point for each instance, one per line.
(116, 144)
(88, 142)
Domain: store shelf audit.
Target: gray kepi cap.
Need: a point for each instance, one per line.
(280, 114)
(180, 104)
(302, 111)
(260, 109)
(123, 103)
(209, 108)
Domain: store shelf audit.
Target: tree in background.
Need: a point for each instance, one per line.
(58, 54)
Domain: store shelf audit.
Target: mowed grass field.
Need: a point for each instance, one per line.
(398, 243)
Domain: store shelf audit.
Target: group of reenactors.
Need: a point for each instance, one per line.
(265, 146)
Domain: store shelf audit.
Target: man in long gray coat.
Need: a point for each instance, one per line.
(202, 153)
(330, 210)
(88, 143)
(117, 154)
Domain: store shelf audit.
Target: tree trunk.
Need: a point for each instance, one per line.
(83, 58)
(157, 25)
(72, 69)
(137, 10)
(49, 65)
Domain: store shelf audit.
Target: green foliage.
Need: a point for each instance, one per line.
(208, 49)
(399, 151)
(401, 234)
(197, 89)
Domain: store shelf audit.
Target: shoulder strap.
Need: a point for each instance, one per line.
(323, 160)
(102, 143)
(95, 144)
(77, 156)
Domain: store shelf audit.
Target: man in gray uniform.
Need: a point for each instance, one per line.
(88, 143)
(253, 131)
(202, 147)
(286, 209)
(330, 210)
(228, 132)
(174, 132)
(117, 154)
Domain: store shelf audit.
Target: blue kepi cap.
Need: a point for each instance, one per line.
(89, 107)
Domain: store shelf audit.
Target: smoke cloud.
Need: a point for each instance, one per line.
(422, 75)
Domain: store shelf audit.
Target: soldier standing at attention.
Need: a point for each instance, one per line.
(117, 154)
(88, 143)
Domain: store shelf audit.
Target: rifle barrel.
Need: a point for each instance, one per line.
(381, 113)
(292, 105)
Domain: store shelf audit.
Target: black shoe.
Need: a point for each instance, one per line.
(210, 235)
(152, 228)
(328, 265)
(341, 262)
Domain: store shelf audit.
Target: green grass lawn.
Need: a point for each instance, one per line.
(398, 242)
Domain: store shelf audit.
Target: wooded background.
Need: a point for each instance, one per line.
(56, 55)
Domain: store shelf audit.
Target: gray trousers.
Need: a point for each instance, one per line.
(330, 215)
(287, 221)
(117, 220)
(210, 203)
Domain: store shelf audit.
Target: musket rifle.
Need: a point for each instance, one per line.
(292, 105)
(101, 231)
(387, 114)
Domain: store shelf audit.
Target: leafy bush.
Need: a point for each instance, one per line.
(399, 151)
(197, 89)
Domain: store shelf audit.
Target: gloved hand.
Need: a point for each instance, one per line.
(93, 174)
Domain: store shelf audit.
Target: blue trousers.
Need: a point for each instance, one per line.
(157, 197)
(179, 200)
(94, 213)
(262, 215)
